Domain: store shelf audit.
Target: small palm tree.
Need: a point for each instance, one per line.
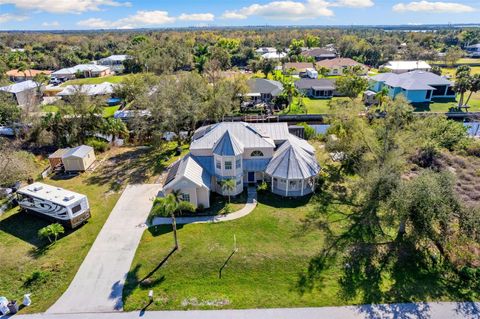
(116, 128)
(165, 206)
(462, 85)
(381, 96)
(289, 91)
(52, 230)
(228, 186)
(474, 86)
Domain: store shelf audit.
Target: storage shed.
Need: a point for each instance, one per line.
(55, 158)
(79, 158)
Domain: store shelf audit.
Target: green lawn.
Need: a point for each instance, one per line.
(440, 106)
(313, 106)
(110, 78)
(23, 255)
(451, 71)
(108, 111)
(272, 252)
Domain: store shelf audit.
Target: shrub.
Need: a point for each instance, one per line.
(184, 207)
(98, 145)
(227, 209)
(36, 277)
(262, 187)
(308, 131)
(51, 232)
(200, 207)
(473, 148)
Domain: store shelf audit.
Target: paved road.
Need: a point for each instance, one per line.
(444, 310)
(98, 284)
(247, 209)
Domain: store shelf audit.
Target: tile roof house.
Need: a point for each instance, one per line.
(246, 153)
(320, 54)
(406, 66)
(19, 76)
(263, 90)
(297, 68)
(316, 88)
(416, 86)
(336, 66)
(24, 93)
(85, 70)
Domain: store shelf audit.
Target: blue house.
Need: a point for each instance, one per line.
(416, 86)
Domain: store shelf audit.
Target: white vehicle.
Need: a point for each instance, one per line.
(312, 73)
(57, 204)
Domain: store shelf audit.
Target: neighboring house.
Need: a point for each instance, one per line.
(297, 68)
(320, 54)
(25, 93)
(75, 159)
(416, 86)
(19, 76)
(473, 50)
(114, 62)
(263, 90)
(102, 89)
(406, 66)
(274, 55)
(338, 65)
(246, 153)
(264, 50)
(85, 70)
(316, 88)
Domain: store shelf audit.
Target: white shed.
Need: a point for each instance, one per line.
(79, 158)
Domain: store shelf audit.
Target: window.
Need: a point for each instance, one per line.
(186, 197)
(256, 153)
(239, 181)
(76, 209)
(219, 165)
(228, 165)
(238, 163)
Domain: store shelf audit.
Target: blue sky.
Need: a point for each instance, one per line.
(121, 14)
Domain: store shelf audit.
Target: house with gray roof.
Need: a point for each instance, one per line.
(316, 88)
(246, 153)
(24, 93)
(263, 90)
(83, 70)
(416, 86)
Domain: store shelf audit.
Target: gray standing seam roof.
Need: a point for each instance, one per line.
(189, 168)
(228, 146)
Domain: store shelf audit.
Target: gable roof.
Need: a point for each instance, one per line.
(265, 86)
(297, 65)
(317, 84)
(228, 145)
(81, 68)
(19, 87)
(79, 151)
(338, 62)
(291, 161)
(319, 52)
(277, 131)
(188, 168)
(28, 73)
(406, 65)
(88, 89)
(413, 80)
(207, 137)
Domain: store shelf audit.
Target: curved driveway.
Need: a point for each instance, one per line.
(98, 284)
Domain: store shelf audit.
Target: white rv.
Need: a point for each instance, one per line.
(57, 204)
(311, 73)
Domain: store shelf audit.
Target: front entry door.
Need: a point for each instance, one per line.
(251, 177)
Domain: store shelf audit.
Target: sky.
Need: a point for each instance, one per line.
(123, 14)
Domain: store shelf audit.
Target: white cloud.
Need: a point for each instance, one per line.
(196, 17)
(433, 7)
(94, 23)
(353, 3)
(64, 6)
(51, 24)
(288, 10)
(138, 20)
(6, 17)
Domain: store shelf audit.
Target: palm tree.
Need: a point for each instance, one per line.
(165, 206)
(228, 186)
(116, 128)
(462, 85)
(474, 86)
(51, 230)
(381, 96)
(289, 91)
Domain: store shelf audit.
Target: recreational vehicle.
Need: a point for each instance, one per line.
(54, 203)
(312, 73)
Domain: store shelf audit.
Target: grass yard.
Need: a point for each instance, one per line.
(108, 111)
(451, 71)
(272, 252)
(440, 106)
(312, 106)
(97, 80)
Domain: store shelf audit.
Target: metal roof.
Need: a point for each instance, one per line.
(292, 162)
(406, 65)
(88, 89)
(58, 153)
(255, 165)
(207, 137)
(414, 80)
(19, 87)
(265, 86)
(276, 131)
(228, 145)
(79, 151)
(51, 193)
(187, 167)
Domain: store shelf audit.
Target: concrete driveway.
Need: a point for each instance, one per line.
(98, 284)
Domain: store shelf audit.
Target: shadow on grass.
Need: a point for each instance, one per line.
(278, 201)
(25, 227)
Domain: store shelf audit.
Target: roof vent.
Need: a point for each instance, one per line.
(37, 188)
(68, 198)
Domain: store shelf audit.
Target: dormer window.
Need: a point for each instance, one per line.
(256, 154)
